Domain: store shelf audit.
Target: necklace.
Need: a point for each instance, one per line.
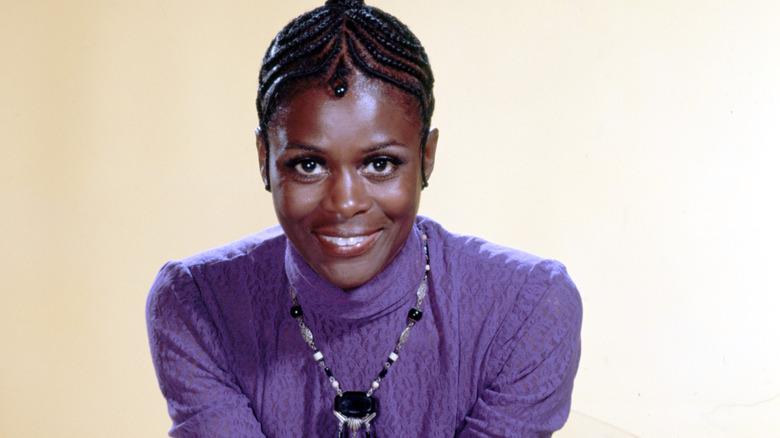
(355, 408)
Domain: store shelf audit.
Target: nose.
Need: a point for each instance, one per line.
(346, 194)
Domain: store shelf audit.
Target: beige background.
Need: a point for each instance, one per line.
(635, 141)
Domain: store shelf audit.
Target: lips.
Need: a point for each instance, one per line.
(347, 245)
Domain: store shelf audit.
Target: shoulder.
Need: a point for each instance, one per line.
(495, 268)
(500, 289)
(472, 249)
(224, 269)
(254, 248)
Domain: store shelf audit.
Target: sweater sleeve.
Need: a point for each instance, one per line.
(203, 396)
(536, 356)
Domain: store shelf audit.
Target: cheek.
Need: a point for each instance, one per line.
(294, 202)
(398, 200)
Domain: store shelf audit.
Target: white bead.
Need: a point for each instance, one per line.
(375, 384)
(427, 267)
(335, 384)
(318, 356)
(393, 356)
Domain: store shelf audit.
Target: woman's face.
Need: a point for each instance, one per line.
(346, 176)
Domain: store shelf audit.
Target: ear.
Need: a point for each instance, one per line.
(430, 152)
(262, 157)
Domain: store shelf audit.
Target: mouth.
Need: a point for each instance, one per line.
(348, 246)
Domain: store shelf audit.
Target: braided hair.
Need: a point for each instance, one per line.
(331, 42)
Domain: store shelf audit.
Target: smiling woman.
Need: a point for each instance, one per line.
(293, 331)
(346, 177)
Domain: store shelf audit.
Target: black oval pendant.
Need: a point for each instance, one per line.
(355, 404)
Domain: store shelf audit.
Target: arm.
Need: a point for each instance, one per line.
(537, 357)
(204, 398)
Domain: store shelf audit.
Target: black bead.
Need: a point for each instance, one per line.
(328, 372)
(355, 404)
(383, 373)
(415, 314)
(296, 311)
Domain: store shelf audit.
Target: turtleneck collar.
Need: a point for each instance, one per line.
(393, 287)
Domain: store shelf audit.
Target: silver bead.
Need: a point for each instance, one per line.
(422, 290)
(307, 336)
(404, 335)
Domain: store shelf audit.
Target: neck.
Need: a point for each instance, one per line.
(381, 295)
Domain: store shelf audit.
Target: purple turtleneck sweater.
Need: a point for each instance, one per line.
(494, 354)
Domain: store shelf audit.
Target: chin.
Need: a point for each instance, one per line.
(348, 276)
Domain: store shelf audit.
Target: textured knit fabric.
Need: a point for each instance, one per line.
(495, 353)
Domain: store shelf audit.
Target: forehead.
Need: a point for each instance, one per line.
(370, 108)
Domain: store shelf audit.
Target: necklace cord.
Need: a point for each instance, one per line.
(365, 415)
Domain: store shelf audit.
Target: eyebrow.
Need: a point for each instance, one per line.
(303, 147)
(384, 145)
(309, 148)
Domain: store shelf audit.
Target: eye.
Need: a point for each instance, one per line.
(380, 167)
(306, 168)
(309, 167)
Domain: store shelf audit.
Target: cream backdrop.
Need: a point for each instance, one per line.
(635, 141)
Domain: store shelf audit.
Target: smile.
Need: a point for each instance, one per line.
(347, 246)
(345, 241)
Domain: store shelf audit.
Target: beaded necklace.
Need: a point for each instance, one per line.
(355, 408)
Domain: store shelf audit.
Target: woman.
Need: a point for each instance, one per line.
(356, 315)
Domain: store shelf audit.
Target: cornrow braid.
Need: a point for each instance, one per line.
(335, 39)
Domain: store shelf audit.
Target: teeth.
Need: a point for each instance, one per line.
(344, 241)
